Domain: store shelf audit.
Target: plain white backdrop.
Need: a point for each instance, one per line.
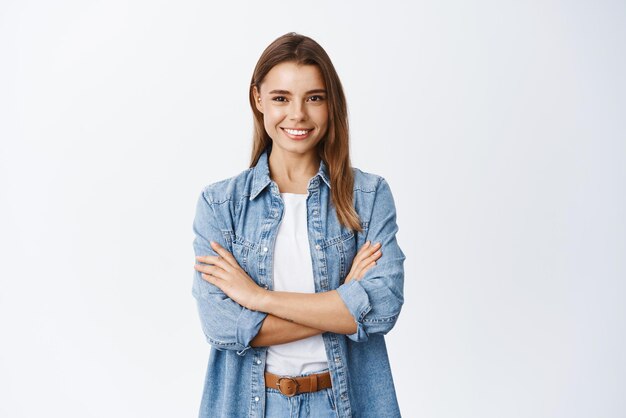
(499, 125)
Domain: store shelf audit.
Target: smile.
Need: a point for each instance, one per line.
(297, 133)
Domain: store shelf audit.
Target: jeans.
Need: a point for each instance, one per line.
(319, 404)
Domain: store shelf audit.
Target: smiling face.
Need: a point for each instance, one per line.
(293, 101)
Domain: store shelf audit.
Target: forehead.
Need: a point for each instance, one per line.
(293, 77)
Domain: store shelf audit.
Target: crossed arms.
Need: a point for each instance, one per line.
(237, 314)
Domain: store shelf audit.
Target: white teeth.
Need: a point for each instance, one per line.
(295, 132)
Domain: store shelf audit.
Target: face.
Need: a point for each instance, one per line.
(293, 101)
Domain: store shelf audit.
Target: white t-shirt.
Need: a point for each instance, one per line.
(293, 272)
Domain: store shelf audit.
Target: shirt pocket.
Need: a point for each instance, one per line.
(339, 252)
(347, 245)
(243, 251)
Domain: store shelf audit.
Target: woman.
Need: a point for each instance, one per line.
(294, 313)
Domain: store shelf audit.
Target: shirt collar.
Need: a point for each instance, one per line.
(261, 174)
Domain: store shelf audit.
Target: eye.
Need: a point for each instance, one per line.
(279, 99)
(317, 98)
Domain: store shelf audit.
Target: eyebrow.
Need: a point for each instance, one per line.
(288, 92)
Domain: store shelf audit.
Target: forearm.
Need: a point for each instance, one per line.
(276, 330)
(323, 311)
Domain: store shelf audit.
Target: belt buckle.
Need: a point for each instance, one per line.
(290, 388)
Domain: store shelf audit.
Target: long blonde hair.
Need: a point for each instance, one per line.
(334, 147)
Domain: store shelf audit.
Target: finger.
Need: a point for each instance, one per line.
(361, 255)
(211, 279)
(362, 268)
(363, 258)
(362, 273)
(215, 260)
(364, 246)
(367, 260)
(224, 253)
(376, 255)
(366, 250)
(214, 271)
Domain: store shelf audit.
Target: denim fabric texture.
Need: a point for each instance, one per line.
(243, 213)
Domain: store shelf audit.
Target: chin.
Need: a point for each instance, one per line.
(295, 148)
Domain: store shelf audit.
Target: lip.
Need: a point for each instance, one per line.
(298, 137)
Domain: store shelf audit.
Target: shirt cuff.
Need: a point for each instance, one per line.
(248, 325)
(357, 301)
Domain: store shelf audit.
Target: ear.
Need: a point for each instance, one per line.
(257, 99)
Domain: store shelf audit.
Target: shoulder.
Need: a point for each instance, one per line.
(229, 189)
(371, 191)
(366, 182)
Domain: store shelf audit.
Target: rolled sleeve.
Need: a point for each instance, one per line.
(357, 301)
(375, 300)
(226, 324)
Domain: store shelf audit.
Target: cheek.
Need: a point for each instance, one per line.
(321, 117)
(271, 118)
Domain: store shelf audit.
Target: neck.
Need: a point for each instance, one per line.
(292, 171)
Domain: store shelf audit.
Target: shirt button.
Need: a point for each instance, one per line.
(337, 360)
(258, 361)
(314, 212)
(256, 399)
(262, 266)
(264, 249)
(266, 287)
(317, 246)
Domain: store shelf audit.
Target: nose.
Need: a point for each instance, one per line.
(297, 111)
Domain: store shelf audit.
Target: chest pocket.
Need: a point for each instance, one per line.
(347, 249)
(244, 251)
(340, 252)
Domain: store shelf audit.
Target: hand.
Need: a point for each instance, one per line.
(364, 260)
(224, 272)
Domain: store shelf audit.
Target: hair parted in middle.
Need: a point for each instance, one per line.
(334, 148)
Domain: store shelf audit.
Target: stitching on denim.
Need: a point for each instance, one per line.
(220, 343)
(381, 320)
(245, 242)
(337, 240)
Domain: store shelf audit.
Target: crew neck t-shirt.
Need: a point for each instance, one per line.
(293, 272)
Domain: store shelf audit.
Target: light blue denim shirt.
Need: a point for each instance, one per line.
(242, 213)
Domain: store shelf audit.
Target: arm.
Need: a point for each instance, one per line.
(375, 301)
(320, 311)
(329, 310)
(226, 324)
(324, 310)
(280, 331)
(358, 308)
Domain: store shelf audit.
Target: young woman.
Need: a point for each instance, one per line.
(292, 286)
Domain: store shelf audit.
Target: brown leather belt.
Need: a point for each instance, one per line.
(290, 386)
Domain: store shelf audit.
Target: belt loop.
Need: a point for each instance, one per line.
(313, 380)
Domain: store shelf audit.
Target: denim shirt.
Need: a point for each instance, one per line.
(243, 213)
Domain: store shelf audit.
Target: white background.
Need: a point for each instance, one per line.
(500, 127)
